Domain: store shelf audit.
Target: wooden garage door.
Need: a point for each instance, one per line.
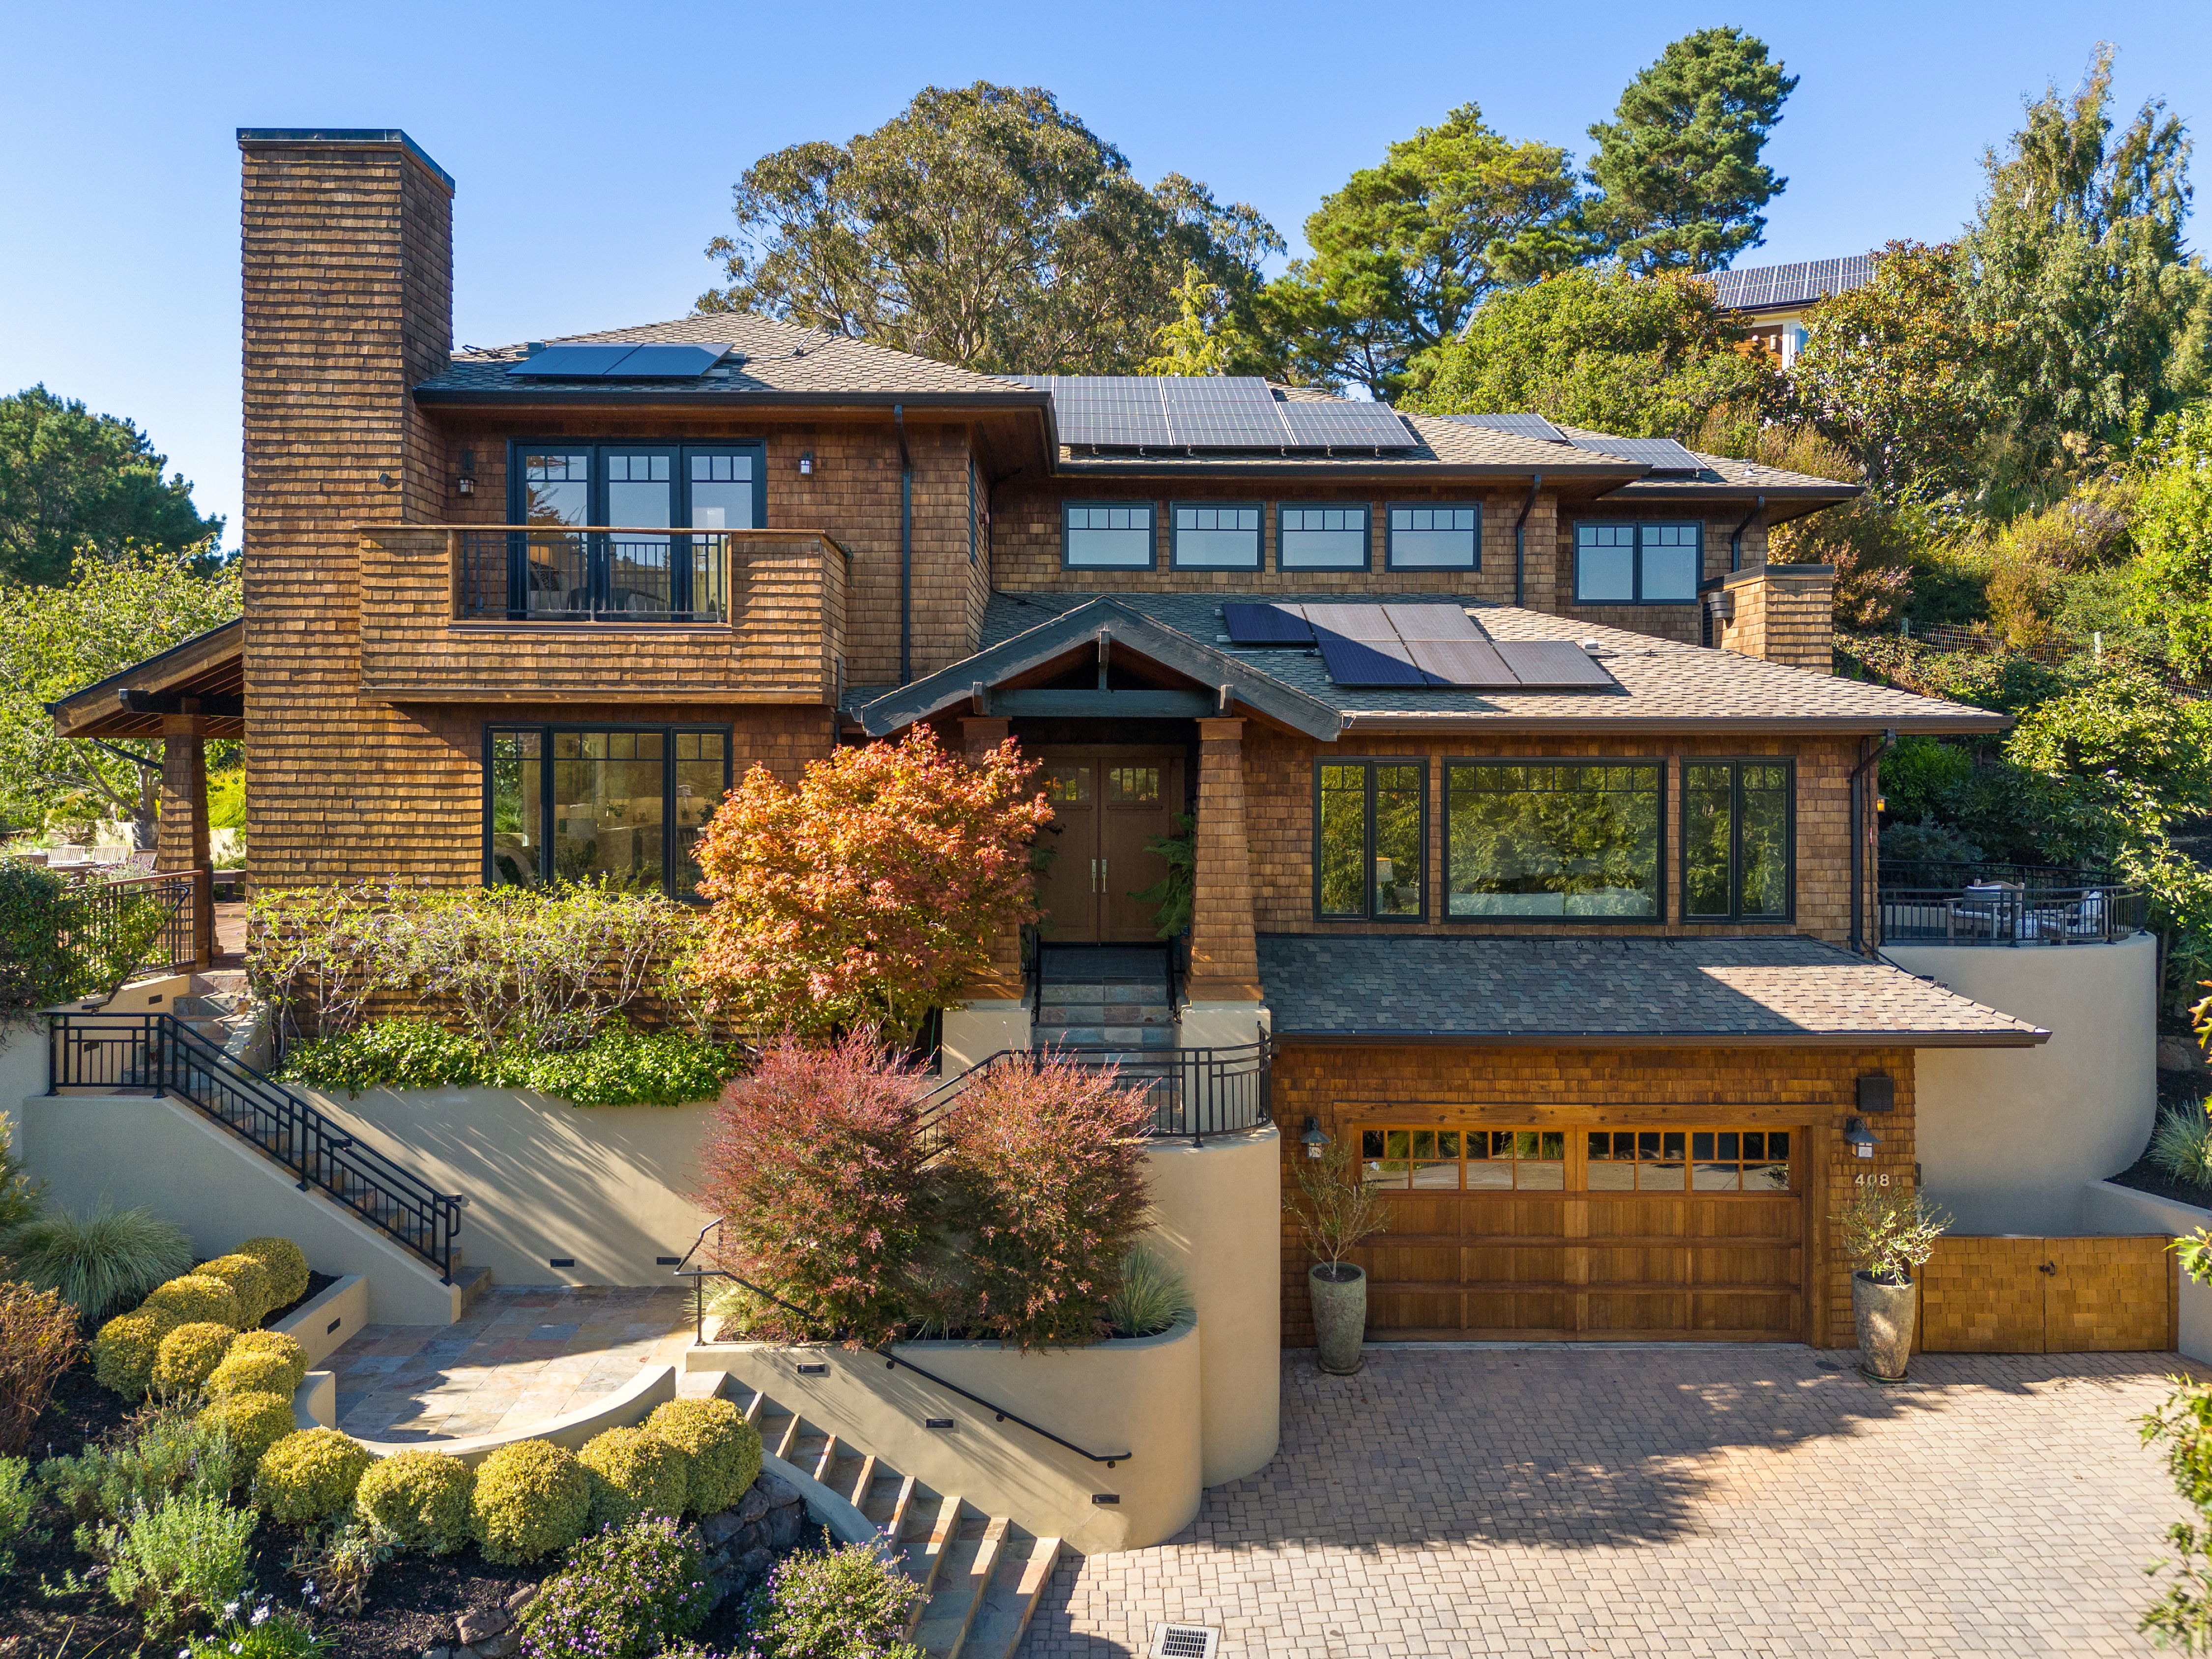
(1587, 1234)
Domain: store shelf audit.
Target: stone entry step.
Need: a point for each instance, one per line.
(981, 1576)
(1104, 1015)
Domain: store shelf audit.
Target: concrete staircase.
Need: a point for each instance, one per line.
(981, 1576)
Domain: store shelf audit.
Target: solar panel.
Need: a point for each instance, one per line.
(1111, 411)
(1267, 624)
(1345, 425)
(621, 362)
(1353, 621)
(1223, 412)
(1521, 426)
(667, 363)
(1661, 455)
(1360, 662)
(1432, 622)
(1553, 666)
(1470, 664)
(570, 362)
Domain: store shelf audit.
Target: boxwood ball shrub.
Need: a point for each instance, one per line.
(310, 1475)
(124, 1352)
(198, 1297)
(188, 1354)
(249, 1282)
(254, 1421)
(288, 1267)
(530, 1498)
(723, 1449)
(417, 1500)
(268, 1361)
(634, 1472)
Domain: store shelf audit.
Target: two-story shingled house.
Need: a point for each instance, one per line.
(1529, 822)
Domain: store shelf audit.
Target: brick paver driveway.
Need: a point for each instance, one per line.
(1664, 1500)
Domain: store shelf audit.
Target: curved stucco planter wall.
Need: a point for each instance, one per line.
(601, 1186)
(2008, 1136)
(1139, 1397)
(1216, 1211)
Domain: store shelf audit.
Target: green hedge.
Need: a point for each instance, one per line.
(620, 1066)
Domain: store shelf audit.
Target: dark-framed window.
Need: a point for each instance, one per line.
(1323, 536)
(1370, 840)
(1739, 838)
(620, 803)
(1214, 535)
(1434, 536)
(1106, 536)
(1639, 563)
(1577, 840)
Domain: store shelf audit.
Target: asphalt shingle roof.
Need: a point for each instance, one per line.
(1603, 991)
(1662, 684)
(1767, 287)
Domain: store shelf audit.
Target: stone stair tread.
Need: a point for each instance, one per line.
(1026, 1567)
(969, 1567)
(924, 1557)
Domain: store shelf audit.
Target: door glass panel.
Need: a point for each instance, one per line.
(518, 829)
(640, 493)
(556, 490)
(722, 492)
(1128, 786)
(607, 806)
(1068, 786)
(699, 774)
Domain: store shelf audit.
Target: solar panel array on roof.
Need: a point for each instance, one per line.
(620, 362)
(1662, 455)
(1430, 646)
(1343, 426)
(1521, 426)
(1268, 624)
(1231, 412)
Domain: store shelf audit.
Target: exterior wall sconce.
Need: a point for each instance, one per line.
(806, 463)
(1859, 1138)
(465, 484)
(1313, 1139)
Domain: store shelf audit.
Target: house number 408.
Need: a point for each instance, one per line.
(1871, 1180)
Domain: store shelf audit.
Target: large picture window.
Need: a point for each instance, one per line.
(1215, 535)
(620, 804)
(1370, 840)
(1639, 563)
(1578, 840)
(1321, 537)
(1736, 830)
(1106, 535)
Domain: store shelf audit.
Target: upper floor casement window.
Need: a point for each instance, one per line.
(584, 542)
(1738, 824)
(1440, 536)
(1577, 840)
(1106, 536)
(1322, 536)
(1639, 563)
(623, 804)
(1370, 840)
(1214, 535)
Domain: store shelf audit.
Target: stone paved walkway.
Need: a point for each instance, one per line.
(1678, 1501)
(515, 1359)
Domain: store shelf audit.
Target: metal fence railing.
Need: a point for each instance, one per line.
(160, 1052)
(1192, 1092)
(519, 573)
(142, 924)
(1928, 903)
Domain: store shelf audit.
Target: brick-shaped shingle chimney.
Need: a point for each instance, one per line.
(1782, 613)
(347, 241)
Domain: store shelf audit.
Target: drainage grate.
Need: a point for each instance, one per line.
(1185, 1642)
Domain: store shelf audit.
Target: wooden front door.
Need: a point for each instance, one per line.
(1588, 1234)
(1108, 806)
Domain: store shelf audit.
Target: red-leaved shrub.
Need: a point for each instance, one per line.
(38, 1338)
(1046, 1178)
(814, 1166)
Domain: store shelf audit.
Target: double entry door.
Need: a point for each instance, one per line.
(1108, 805)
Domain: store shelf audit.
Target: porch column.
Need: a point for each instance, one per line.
(180, 843)
(1225, 963)
(995, 1014)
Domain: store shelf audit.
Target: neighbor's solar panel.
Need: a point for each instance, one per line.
(1363, 662)
(1345, 425)
(1661, 455)
(1267, 624)
(1521, 426)
(1553, 666)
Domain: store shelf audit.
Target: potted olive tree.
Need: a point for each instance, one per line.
(1887, 1233)
(1335, 1208)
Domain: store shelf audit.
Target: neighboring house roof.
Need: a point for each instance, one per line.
(1606, 993)
(781, 362)
(210, 667)
(1776, 288)
(1662, 684)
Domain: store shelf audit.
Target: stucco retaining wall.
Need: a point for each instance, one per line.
(603, 1187)
(1214, 1212)
(2008, 1136)
(333, 1319)
(2113, 1210)
(1140, 1397)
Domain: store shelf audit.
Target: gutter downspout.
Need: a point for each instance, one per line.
(1860, 828)
(906, 547)
(1735, 536)
(1520, 543)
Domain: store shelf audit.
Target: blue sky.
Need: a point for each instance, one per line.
(594, 146)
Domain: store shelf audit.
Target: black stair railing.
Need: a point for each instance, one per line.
(1192, 1092)
(161, 1053)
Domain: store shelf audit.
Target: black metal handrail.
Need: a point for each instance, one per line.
(160, 1052)
(103, 911)
(699, 1275)
(1195, 1092)
(2007, 904)
(593, 574)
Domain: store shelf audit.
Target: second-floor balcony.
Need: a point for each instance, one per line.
(517, 612)
(1934, 904)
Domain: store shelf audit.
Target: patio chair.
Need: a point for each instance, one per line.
(1986, 907)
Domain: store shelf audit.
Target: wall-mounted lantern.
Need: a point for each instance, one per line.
(465, 484)
(1313, 1139)
(806, 463)
(1859, 1138)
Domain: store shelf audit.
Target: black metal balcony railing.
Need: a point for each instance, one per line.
(647, 575)
(1930, 903)
(1192, 1092)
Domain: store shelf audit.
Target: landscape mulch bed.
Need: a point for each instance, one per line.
(411, 1605)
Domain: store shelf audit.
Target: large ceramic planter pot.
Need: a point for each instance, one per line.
(1884, 1313)
(1340, 1312)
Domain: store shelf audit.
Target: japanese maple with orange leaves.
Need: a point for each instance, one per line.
(871, 892)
